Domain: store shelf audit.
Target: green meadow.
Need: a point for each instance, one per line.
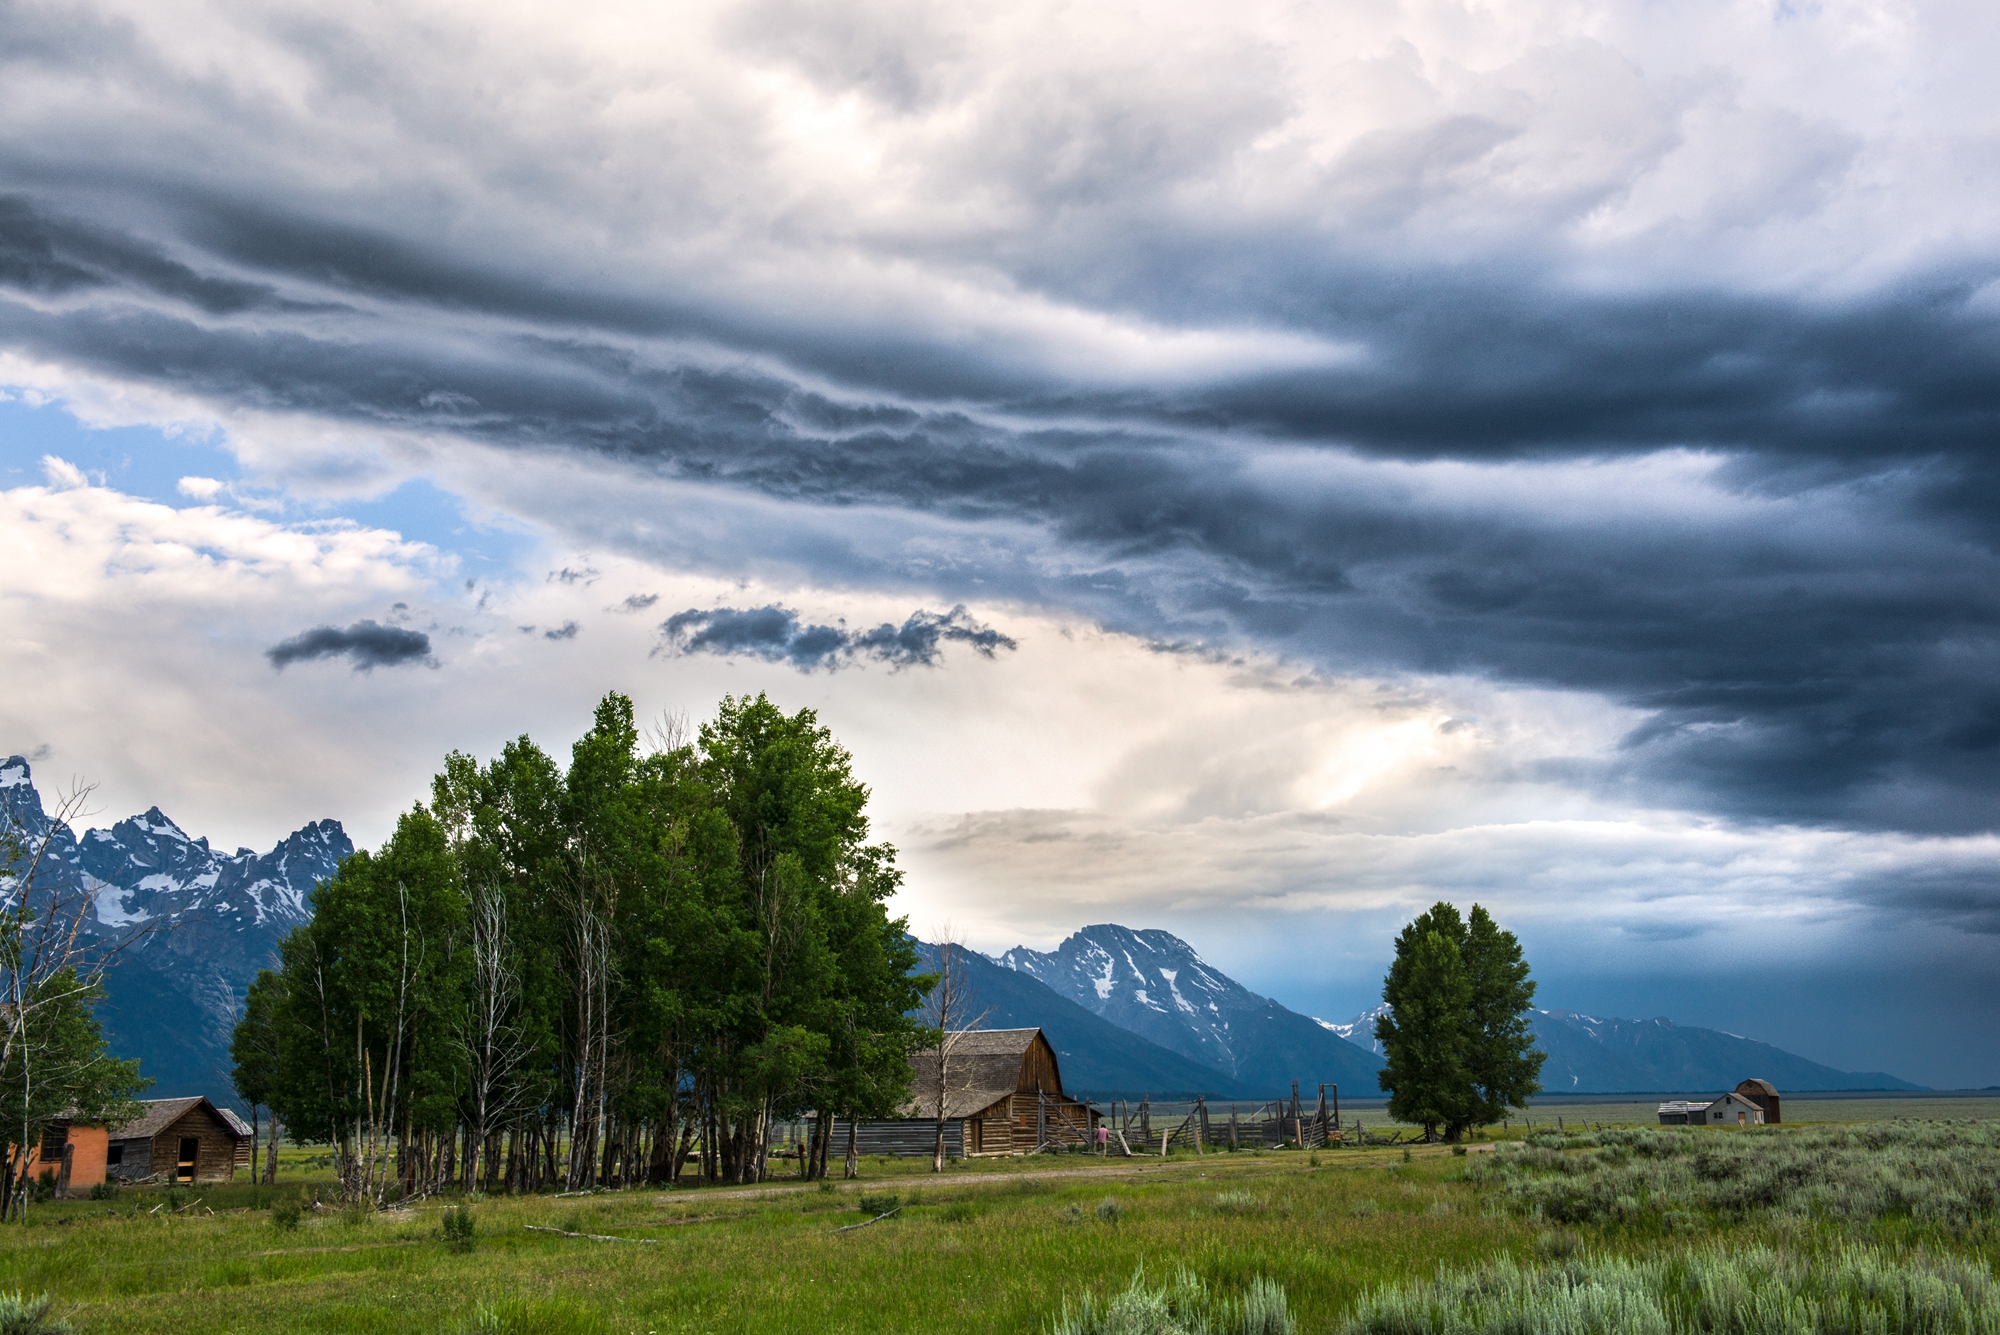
(1520, 1235)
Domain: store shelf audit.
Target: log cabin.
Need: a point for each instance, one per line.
(176, 1140)
(1002, 1093)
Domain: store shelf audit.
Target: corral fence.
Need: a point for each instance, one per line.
(1149, 1127)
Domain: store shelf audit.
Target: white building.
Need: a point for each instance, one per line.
(1731, 1109)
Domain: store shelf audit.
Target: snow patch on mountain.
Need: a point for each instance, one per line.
(1157, 986)
(205, 922)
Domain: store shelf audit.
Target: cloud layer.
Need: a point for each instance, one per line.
(1612, 387)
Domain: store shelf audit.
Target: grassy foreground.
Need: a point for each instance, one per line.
(1356, 1240)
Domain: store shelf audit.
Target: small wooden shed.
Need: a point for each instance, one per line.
(1002, 1092)
(176, 1140)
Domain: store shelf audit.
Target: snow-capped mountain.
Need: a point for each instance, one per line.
(1154, 984)
(1360, 1031)
(202, 923)
(1589, 1054)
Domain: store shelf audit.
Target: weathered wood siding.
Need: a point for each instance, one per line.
(1038, 1069)
(136, 1162)
(908, 1138)
(215, 1153)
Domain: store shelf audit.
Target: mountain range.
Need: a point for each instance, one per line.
(1155, 985)
(1588, 1054)
(1128, 1012)
(200, 923)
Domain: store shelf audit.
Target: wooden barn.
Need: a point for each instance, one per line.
(1003, 1094)
(1764, 1094)
(177, 1140)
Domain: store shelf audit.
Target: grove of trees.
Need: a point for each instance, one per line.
(607, 974)
(1456, 1038)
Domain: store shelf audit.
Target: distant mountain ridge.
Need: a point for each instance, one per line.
(1589, 1054)
(1155, 985)
(172, 997)
(1094, 1056)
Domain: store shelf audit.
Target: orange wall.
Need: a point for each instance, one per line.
(86, 1164)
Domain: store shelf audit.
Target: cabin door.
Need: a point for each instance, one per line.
(190, 1152)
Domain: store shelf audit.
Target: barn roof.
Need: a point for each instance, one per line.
(985, 1066)
(1757, 1087)
(160, 1114)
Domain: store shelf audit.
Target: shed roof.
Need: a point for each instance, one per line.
(160, 1114)
(241, 1127)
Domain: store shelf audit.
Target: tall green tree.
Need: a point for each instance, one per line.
(253, 1052)
(582, 974)
(1456, 1039)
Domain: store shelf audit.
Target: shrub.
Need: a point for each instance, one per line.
(871, 1204)
(1238, 1202)
(1458, 1151)
(21, 1314)
(1746, 1292)
(104, 1191)
(1109, 1211)
(1362, 1208)
(458, 1228)
(285, 1213)
(1182, 1306)
(826, 1187)
(1071, 1213)
(1942, 1175)
(959, 1212)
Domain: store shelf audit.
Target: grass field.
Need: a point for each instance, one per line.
(1007, 1245)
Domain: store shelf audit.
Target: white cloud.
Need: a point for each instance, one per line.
(200, 488)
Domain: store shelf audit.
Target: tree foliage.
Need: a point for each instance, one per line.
(1459, 1051)
(590, 974)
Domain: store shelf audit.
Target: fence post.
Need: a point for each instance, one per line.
(1146, 1124)
(1232, 1127)
(1201, 1131)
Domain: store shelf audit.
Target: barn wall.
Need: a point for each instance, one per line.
(908, 1138)
(1038, 1069)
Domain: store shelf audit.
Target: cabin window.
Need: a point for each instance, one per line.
(53, 1141)
(114, 1156)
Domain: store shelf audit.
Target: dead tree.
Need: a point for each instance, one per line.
(949, 1009)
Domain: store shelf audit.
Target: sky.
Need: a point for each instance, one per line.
(1251, 470)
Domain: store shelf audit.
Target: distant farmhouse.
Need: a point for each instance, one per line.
(1751, 1103)
(176, 1140)
(1004, 1096)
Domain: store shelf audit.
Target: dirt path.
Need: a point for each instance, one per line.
(1218, 1163)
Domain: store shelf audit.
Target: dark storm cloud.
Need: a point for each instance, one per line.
(776, 635)
(367, 644)
(1813, 636)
